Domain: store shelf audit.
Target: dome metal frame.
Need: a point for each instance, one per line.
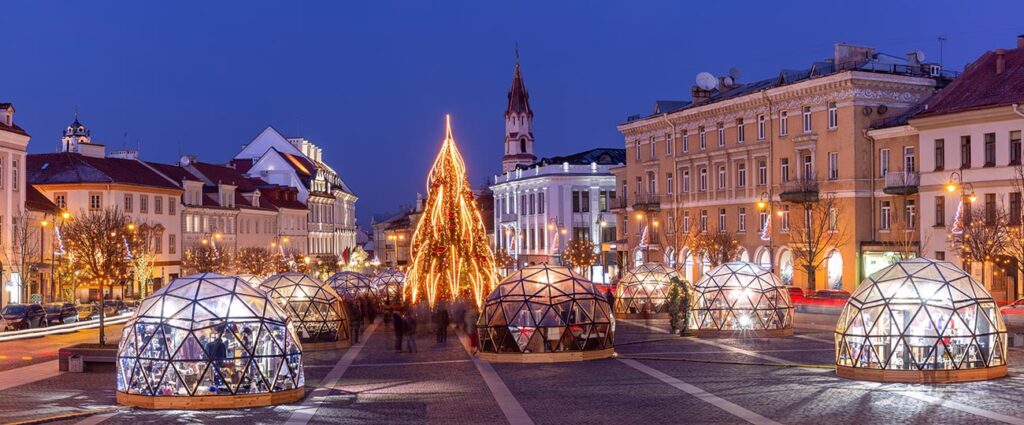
(921, 320)
(351, 285)
(390, 286)
(317, 312)
(644, 291)
(208, 341)
(546, 313)
(741, 299)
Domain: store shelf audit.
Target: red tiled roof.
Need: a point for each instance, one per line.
(980, 87)
(242, 165)
(224, 174)
(36, 201)
(175, 172)
(70, 168)
(267, 196)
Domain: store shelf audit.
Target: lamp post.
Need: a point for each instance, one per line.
(600, 245)
(764, 204)
(64, 216)
(966, 194)
(42, 247)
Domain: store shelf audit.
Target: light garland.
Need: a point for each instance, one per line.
(450, 251)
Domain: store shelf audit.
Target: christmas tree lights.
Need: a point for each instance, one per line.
(451, 256)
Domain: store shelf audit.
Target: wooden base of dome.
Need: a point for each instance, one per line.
(643, 316)
(564, 356)
(921, 376)
(746, 333)
(210, 402)
(326, 345)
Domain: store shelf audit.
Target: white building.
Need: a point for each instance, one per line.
(297, 163)
(13, 143)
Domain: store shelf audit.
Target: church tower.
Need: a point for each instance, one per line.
(75, 134)
(518, 124)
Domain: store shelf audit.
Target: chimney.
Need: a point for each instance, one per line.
(912, 59)
(124, 154)
(1020, 41)
(7, 115)
(699, 95)
(1000, 61)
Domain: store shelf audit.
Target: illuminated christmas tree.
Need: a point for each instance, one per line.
(451, 256)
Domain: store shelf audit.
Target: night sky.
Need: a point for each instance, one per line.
(370, 82)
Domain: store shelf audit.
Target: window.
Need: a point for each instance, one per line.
(1015, 147)
(654, 148)
(741, 225)
(585, 195)
(721, 220)
(158, 245)
(670, 227)
(1015, 210)
(668, 144)
(703, 179)
(128, 202)
(143, 204)
(95, 201)
(833, 219)
(639, 185)
(785, 217)
(833, 115)
(807, 119)
(990, 209)
(808, 167)
(686, 142)
(763, 221)
(833, 165)
(721, 177)
(721, 134)
(703, 221)
(884, 220)
(762, 172)
(14, 174)
(990, 149)
(158, 205)
(652, 182)
(542, 200)
(783, 123)
(686, 221)
(909, 159)
(883, 162)
(703, 138)
(686, 180)
(940, 255)
(940, 154)
(741, 132)
(172, 244)
(61, 201)
(940, 211)
(1, 173)
(576, 201)
(965, 151)
(785, 169)
(910, 214)
(637, 150)
(669, 183)
(760, 127)
(741, 174)
(172, 205)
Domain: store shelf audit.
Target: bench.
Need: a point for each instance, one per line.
(94, 358)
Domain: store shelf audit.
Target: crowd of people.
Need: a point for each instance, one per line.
(408, 320)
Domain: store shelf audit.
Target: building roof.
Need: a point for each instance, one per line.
(518, 98)
(36, 201)
(13, 128)
(71, 168)
(224, 174)
(602, 156)
(269, 197)
(172, 171)
(980, 87)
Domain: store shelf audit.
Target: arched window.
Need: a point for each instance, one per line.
(522, 145)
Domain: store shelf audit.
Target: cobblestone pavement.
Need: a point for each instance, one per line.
(780, 379)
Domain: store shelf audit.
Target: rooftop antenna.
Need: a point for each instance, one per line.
(942, 40)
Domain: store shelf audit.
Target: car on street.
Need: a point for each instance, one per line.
(23, 316)
(60, 313)
(831, 297)
(85, 311)
(796, 294)
(111, 308)
(1013, 313)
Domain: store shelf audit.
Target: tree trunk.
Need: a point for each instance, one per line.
(103, 335)
(810, 277)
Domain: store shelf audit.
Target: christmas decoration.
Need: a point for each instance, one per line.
(451, 255)
(579, 254)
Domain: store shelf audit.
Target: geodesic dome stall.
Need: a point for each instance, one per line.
(350, 285)
(251, 279)
(208, 341)
(389, 284)
(546, 313)
(921, 320)
(741, 299)
(317, 312)
(643, 291)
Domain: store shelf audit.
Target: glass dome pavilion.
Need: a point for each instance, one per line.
(389, 285)
(350, 285)
(317, 311)
(741, 299)
(920, 320)
(644, 290)
(208, 341)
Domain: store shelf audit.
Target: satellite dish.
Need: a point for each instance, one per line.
(707, 81)
(735, 73)
(919, 55)
(185, 161)
(727, 81)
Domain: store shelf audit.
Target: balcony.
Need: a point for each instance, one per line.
(901, 182)
(618, 203)
(647, 202)
(800, 191)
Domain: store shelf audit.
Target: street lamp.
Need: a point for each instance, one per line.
(956, 181)
(764, 204)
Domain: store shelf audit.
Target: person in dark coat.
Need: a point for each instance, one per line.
(355, 313)
(396, 318)
(610, 297)
(408, 322)
(443, 320)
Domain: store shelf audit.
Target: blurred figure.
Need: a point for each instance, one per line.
(396, 318)
(355, 320)
(408, 323)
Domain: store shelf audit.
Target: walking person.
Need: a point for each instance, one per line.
(610, 297)
(443, 320)
(396, 318)
(355, 320)
(409, 327)
(470, 323)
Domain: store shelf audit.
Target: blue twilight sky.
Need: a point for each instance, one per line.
(371, 81)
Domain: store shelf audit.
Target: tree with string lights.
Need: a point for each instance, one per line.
(579, 254)
(451, 255)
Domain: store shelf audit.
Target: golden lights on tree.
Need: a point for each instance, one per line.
(451, 255)
(579, 254)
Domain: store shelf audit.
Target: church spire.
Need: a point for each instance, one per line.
(518, 124)
(518, 98)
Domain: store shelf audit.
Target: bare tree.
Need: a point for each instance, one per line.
(813, 236)
(205, 259)
(256, 261)
(579, 254)
(23, 254)
(1015, 221)
(717, 246)
(984, 237)
(99, 243)
(904, 232)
